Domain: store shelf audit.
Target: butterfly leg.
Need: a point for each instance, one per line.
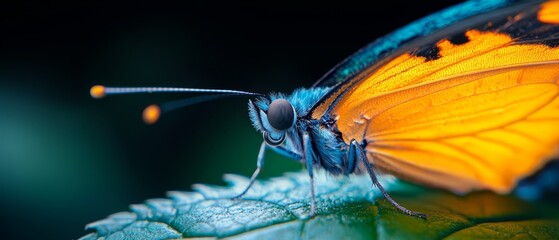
(259, 165)
(309, 161)
(360, 155)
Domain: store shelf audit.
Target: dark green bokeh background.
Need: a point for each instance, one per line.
(67, 160)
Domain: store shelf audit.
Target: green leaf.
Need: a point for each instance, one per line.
(348, 208)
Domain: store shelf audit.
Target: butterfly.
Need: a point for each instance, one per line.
(464, 99)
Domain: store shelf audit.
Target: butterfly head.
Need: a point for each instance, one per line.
(274, 117)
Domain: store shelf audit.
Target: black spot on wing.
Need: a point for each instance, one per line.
(553, 43)
(459, 39)
(538, 34)
(430, 52)
(525, 28)
(550, 38)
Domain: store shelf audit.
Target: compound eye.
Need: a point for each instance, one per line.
(273, 142)
(281, 115)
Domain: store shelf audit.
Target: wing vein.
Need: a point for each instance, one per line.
(507, 145)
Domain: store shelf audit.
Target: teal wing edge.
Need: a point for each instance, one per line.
(388, 44)
(209, 211)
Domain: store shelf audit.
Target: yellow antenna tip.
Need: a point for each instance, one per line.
(151, 114)
(97, 91)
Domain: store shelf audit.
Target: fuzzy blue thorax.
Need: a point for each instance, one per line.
(327, 146)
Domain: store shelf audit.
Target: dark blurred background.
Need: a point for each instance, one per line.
(67, 160)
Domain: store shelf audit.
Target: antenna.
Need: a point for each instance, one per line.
(153, 112)
(100, 91)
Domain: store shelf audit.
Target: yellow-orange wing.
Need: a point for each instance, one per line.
(476, 113)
